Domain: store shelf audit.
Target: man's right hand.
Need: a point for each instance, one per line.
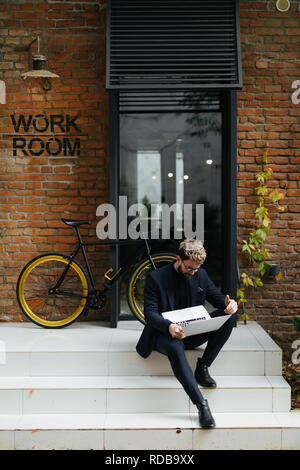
(176, 331)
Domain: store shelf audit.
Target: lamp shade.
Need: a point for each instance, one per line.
(38, 70)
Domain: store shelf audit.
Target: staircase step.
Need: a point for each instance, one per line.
(92, 348)
(168, 431)
(138, 394)
(85, 387)
(165, 394)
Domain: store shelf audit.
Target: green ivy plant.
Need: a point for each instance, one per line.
(254, 247)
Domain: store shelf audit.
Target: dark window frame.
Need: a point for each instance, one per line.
(229, 192)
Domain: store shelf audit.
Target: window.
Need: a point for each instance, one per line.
(173, 44)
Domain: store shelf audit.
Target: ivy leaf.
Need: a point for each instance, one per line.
(258, 256)
(265, 157)
(268, 173)
(260, 178)
(240, 292)
(260, 201)
(246, 248)
(247, 281)
(262, 233)
(266, 221)
(263, 267)
(241, 296)
(261, 190)
(266, 254)
(257, 282)
(261, 212)
(275, 196)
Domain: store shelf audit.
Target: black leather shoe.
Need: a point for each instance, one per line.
(206, 419)
(202, 376)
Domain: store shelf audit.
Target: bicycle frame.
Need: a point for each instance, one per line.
(125, 266)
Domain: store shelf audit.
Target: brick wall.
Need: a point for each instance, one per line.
(268, 120)
(54, 144)
(54, 152)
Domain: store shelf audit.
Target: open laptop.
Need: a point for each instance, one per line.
(195, 320)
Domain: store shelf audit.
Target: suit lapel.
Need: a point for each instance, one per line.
(170, 290)
(170, 294)
(168, 282)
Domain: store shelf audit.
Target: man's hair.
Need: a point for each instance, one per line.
(192, 249)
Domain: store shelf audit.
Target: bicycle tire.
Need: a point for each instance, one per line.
(136, 283)
(47, 309)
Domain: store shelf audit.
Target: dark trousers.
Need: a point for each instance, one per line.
(174, 349)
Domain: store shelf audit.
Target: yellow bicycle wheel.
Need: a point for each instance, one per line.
(136, 284)
(51, 291)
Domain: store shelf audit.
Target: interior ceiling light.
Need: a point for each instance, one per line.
(38, 67)
(283, 5)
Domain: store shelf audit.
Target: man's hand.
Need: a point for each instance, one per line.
(176, 331)
(231, 305)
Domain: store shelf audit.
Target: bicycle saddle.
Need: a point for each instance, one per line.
(76, 223)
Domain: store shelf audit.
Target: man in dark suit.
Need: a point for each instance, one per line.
(180, 285)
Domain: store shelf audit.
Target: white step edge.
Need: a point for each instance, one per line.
(130, 363)
(123, 394)
(134, 382)
(92, 348)
(251, 431)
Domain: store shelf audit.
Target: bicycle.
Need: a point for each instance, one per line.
(54, 290)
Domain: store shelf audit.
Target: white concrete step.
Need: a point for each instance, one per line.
(92, 348)
(85, 387)
(174, 431)
(138, 394)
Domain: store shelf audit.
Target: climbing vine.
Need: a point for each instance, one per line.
(254, 246)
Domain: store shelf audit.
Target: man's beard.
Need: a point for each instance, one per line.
(186, 276)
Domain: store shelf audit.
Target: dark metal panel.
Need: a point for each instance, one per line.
(114, 198)
(108, 47)
(238, 44)
(229, 191)
(161, 43)
(164, 101)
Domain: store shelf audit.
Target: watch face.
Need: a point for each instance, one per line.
(283, 5)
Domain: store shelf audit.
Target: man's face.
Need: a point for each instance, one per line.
(187, 268)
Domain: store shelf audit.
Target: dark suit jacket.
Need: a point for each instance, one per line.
(159, 298)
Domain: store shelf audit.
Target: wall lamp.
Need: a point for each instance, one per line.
(38, 67)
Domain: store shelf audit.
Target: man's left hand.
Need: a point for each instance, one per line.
(231, 305)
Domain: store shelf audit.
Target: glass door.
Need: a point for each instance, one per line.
(174, 157)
